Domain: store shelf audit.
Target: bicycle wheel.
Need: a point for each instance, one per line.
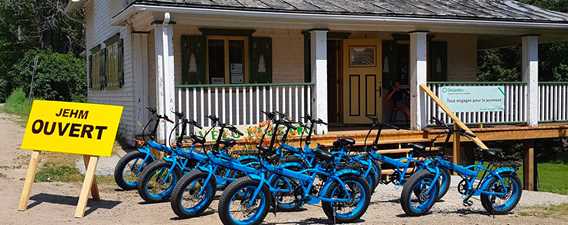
(193, 194)
(378, 174)
(289, 194)
(356, 190)
(445, 181)
(419, 193)
(128, 169)
(236, 206)
(510, 191)
(156, 182)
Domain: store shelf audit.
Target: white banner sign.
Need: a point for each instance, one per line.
(474, 98)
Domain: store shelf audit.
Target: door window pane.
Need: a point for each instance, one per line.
(216, 61)
(236, 61)
(362, 56)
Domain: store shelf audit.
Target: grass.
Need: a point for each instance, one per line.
(18, 104)
(51, 172)
(552, 175)
(58, 167)
(549, 211)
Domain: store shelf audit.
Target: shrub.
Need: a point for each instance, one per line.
(58, 76)
(17, 103)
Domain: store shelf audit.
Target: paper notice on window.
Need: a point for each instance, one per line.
(217, 80)
(237, 73)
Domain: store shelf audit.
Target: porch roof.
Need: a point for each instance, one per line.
(487, 10)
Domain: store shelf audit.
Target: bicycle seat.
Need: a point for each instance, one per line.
(495, 152)
(198, 140)
(344, 142)
(418, 148)
(323, 155)
(490, 154)
(229, 143)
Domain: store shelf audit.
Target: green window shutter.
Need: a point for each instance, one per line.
(193, 59)
(438, 61)
(261, 59)
(103, 69)
(90, 71)
(307, 58)
(121, 63)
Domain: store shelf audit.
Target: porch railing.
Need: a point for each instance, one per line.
(515, 110)
(241, 104)
(553, 101)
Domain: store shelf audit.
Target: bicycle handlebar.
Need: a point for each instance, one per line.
(312, 120)
(152, 110)
(377, 123)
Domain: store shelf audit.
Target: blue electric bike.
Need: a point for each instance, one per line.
(344, 194)
(158, 179)
(195, 191)
(403, 167)
(492, 177)
(131, 165)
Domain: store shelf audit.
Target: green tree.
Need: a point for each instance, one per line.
(35, 24)
(58, 76)
(504, 64)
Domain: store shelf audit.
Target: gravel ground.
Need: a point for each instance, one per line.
(54, 203)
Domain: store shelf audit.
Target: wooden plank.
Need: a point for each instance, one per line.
(452, 115)
(30, 176)
(395, 151)
(87, 185)
(94, 187)
(528, 168)
(456, 157)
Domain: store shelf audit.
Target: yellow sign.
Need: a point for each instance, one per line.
(76, 128)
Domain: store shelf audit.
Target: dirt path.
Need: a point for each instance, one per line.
(53, 203)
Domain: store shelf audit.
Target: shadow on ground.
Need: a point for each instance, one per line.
(92, 205)
(310, 221)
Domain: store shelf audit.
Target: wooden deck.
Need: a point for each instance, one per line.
(493, 133)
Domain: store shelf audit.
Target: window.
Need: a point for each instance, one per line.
(114, 64)
(226, 59)
(106, 65)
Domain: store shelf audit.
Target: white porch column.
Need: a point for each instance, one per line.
(530, 76)
(139, 63)
(165, 80)
(318, 39)
(418, 76)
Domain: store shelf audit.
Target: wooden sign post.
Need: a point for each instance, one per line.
(73, 128)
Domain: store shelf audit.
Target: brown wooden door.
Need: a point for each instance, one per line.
(361, 80)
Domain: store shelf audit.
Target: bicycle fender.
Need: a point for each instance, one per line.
(505, 170)
(343, 172)
(336, 179)
(497, 173)
(291, 164)
(247, 157)
(255, 177)
(144, 149)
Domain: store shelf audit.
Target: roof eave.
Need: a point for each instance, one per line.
(330, 18)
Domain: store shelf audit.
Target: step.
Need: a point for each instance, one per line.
(405, 150)
(391, 171)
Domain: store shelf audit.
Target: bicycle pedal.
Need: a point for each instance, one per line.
(467, 203)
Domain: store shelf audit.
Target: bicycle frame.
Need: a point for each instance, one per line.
(470, 174)
(306, 179)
